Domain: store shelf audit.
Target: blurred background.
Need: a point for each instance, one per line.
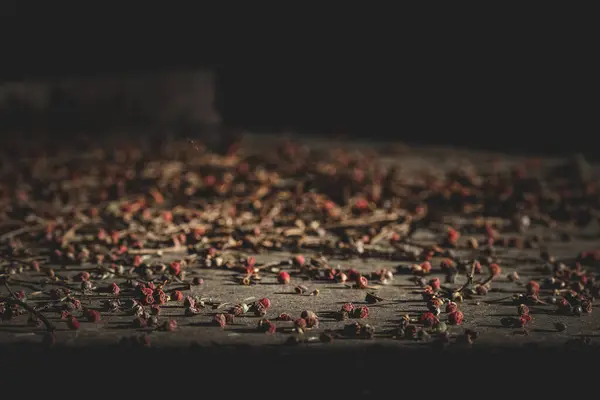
(519, 95)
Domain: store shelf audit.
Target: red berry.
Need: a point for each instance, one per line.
(455, 317)
(283, 277)
(453, 235)
(147, 300)
(177, 295)
(137, 260)
(426, 267)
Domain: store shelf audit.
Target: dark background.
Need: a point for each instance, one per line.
(519, 93)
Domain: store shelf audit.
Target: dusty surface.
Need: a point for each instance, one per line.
(402, 296)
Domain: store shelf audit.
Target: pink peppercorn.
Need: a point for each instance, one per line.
(283, 277)
(425, 267)
(137, 261)
(435, 284)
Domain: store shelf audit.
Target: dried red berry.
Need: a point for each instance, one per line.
(435, 284)
(447, 265)
(455, 317)
(146, 291)
(177, 296)
(428, 319)
(452, 236)
(92, 316)
(137, 261)
(283, 277)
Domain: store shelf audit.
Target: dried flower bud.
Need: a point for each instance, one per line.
(435, 284)
(177, 296)
(532, 287)
(160, 297)
(92, 315)
(495, 269)
(360, 312)
(285, 317)
(524, 319)
(72, 322)
(220, 320)
(301, 289)
(300, 324)
(197, 281)
(175, 267)
(455, 317)
(481, 290)
(362, 282)
(428, 319)
(283, 277)
(522, 309)
(311, 319)
(298, 261)
(140, 322)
